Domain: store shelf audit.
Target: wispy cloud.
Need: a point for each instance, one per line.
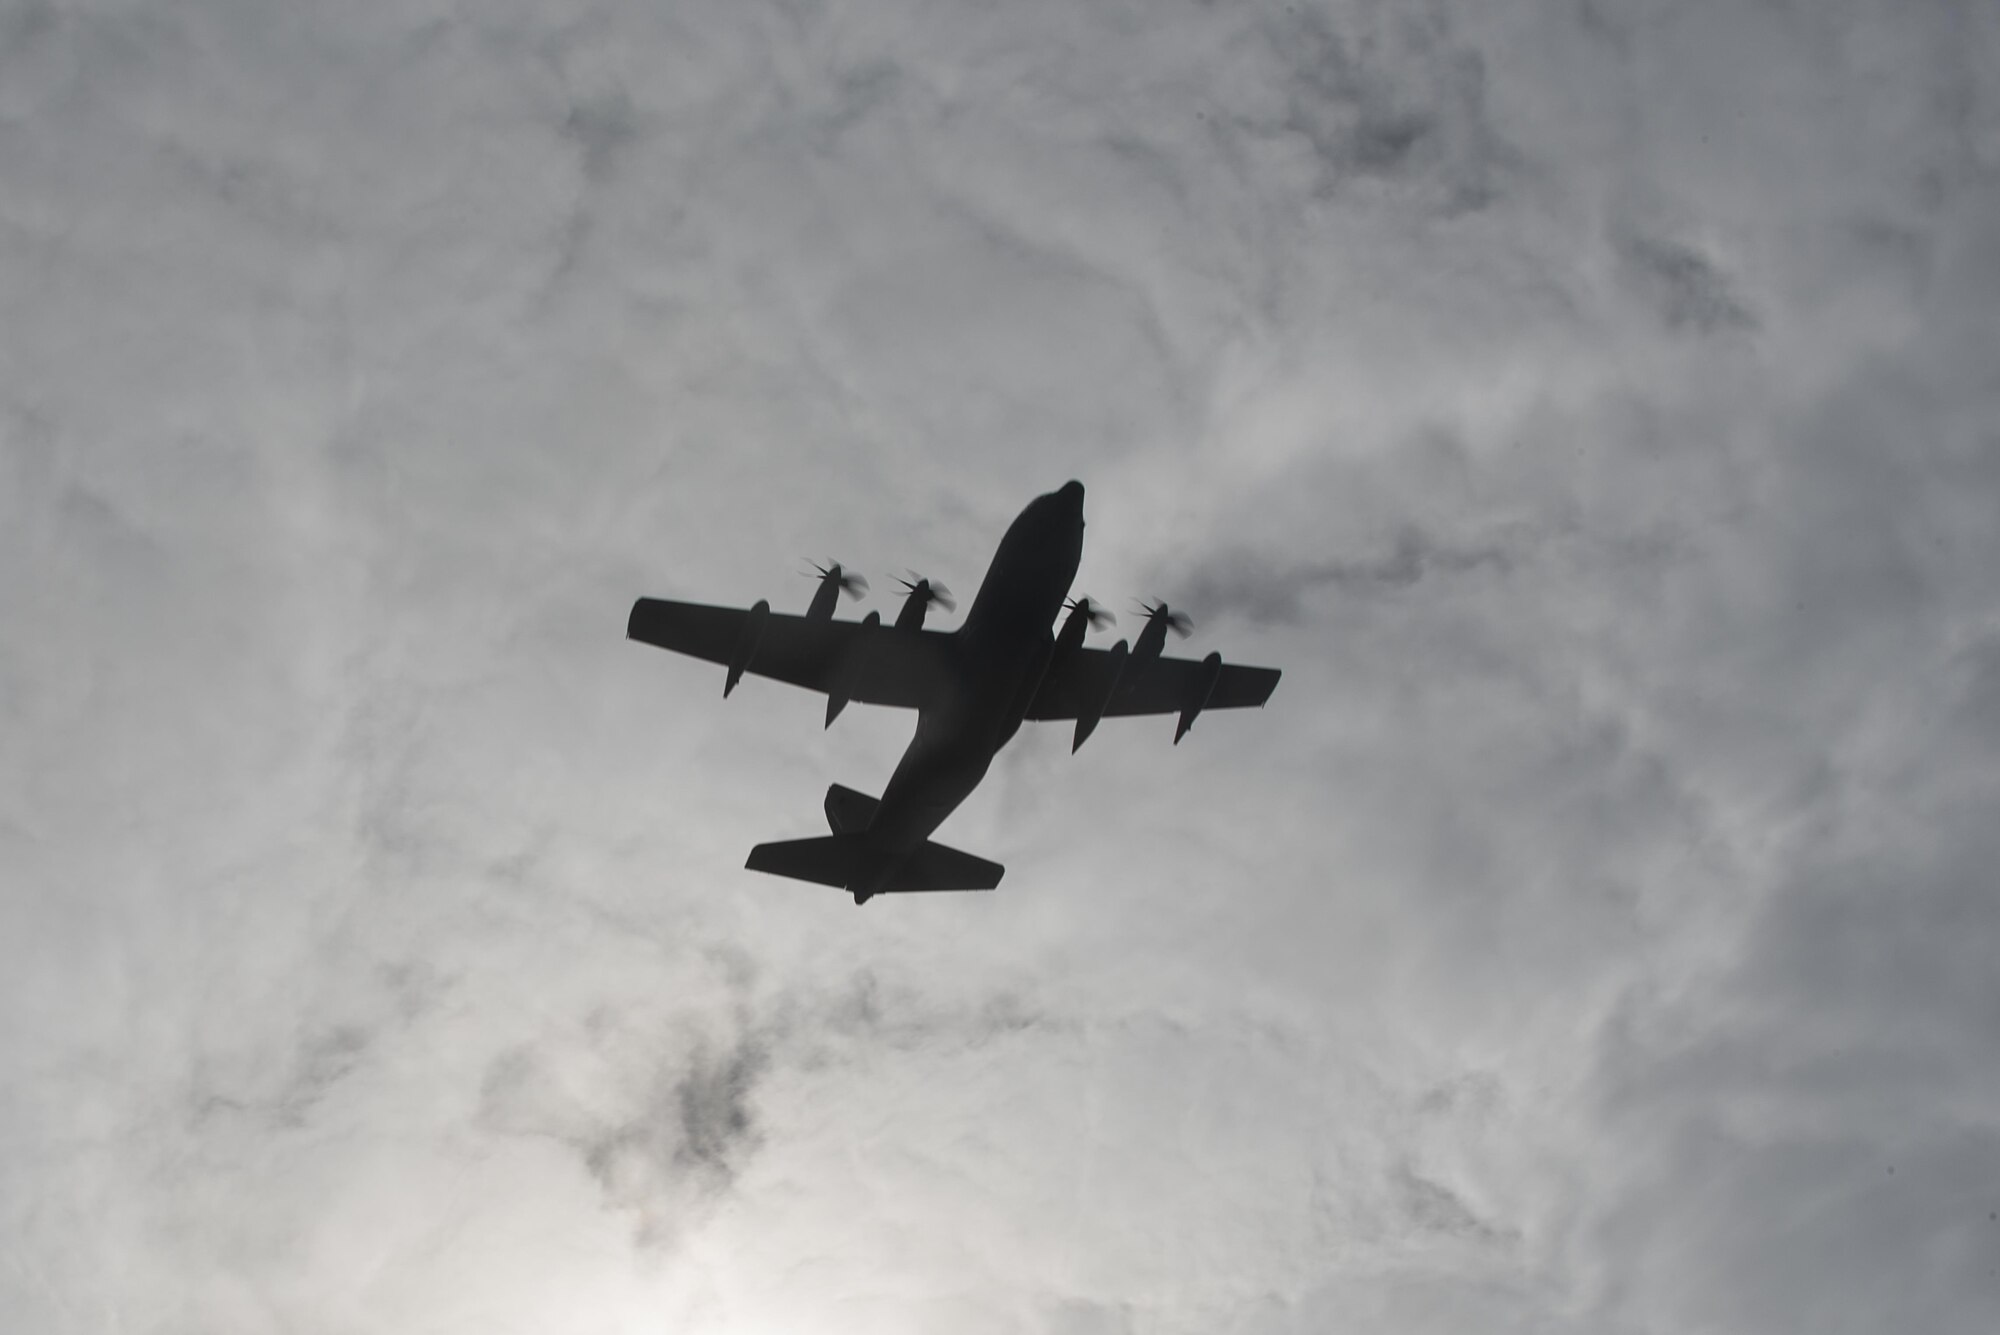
(1589, 409)
(1245, 584)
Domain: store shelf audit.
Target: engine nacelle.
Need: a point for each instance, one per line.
(836, 696)
(1084, 617)
(1204, 687)
(1153, 637)
(920, 594)
(1088, 718)
(746, 645)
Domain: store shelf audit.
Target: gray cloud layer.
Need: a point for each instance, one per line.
(1590, 406)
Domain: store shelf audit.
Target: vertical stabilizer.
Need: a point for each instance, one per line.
(849, 812)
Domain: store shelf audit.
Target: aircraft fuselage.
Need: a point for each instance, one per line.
(1001, 653)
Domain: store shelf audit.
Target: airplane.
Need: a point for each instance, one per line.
(971, 687)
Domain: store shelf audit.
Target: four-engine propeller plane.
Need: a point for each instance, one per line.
(971, 688)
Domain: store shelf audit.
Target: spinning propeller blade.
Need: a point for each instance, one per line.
(930, 591)
(851, 582)
(1096, 613)
(1179, 622)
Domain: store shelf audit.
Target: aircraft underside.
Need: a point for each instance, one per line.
(972, 688)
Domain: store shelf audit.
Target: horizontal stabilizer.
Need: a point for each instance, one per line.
(935, 867)
(833, 859)
(848, 861)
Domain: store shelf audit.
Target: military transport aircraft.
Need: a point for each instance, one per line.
(971, 687)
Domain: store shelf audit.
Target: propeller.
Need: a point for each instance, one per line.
(1180, 622)
(930, 591)
(851, 582)
(1094, 612)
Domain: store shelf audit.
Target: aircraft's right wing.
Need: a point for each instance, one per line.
(1091, 684)
(1164, 686)
(872, 664)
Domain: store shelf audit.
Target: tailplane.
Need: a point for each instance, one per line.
(852, 863)
(834, 859)
(935, 867)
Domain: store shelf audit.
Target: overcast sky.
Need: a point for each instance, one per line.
(1591, 405)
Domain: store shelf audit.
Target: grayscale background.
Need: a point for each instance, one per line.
(1591, 405)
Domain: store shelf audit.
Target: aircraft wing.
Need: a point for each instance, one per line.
(872, 664)
(1077, 681)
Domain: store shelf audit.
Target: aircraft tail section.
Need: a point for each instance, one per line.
(850, 862)
(834, 859)
(935, 867)
(849, 812)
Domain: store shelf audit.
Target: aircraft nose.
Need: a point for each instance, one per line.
(1072, 491)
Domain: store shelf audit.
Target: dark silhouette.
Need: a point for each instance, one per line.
(971, 688)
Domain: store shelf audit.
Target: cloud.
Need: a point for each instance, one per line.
(1688, 291)
(1589, 409)
(663, 1122)
(1245, 584)
(1388, 99)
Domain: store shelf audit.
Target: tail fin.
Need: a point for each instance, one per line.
(847, 861)
(847, 811)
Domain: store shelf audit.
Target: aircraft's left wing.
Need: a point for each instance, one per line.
(872, 664)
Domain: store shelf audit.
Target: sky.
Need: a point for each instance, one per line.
(1590, 405)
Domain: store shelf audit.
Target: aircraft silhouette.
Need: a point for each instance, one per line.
(971, 688)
